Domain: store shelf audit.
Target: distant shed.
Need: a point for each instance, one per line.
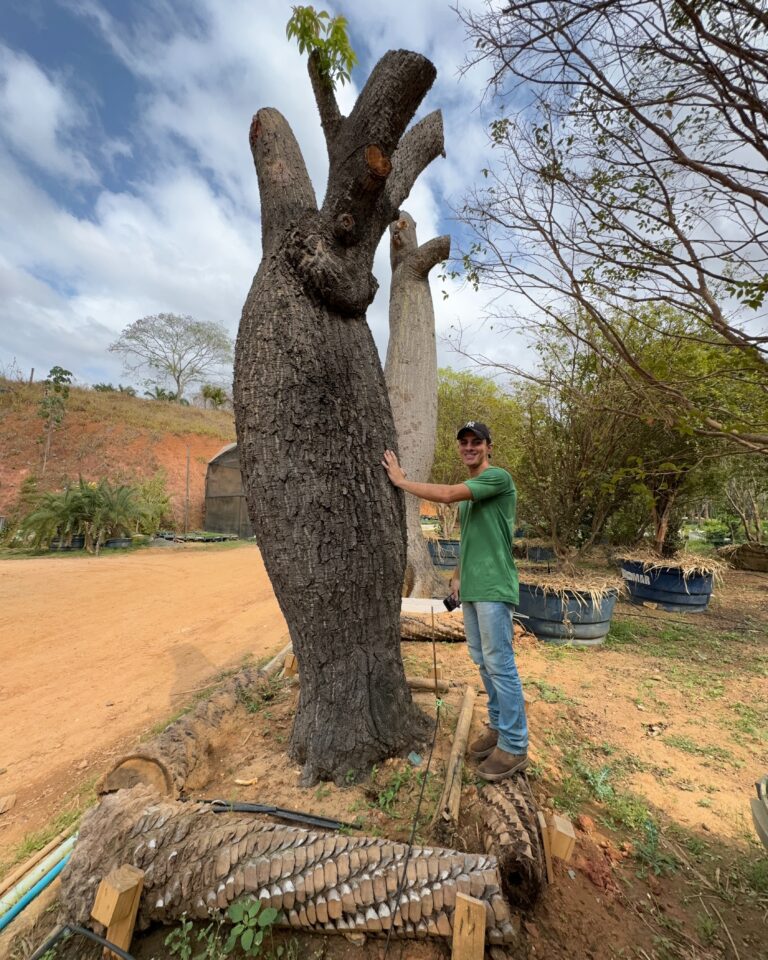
(225, 507)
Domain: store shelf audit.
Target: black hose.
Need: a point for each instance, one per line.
(71, 928)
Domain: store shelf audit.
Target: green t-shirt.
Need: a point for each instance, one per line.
(488, 570)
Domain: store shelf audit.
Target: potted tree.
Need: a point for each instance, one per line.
(562, 608)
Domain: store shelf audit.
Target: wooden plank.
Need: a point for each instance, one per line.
(290, 666)
(468, 928)
(427, 683)
(117, 903)
(277, 661)
(448, 807)
(544, 831)
(562, 837)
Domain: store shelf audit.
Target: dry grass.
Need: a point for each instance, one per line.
(120, 408)
(688, 564)
(580, 585)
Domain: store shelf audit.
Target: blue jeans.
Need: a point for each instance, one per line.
(488, 626)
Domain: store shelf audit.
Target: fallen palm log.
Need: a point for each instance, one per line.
(447, 813)
(509, 817)
(442, 627)
(178, 759)
(196, 862)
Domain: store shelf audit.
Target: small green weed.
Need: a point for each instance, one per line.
(251, 922)
(622, 632)
(749, 720)
(572, 795)
(255, 700)
(755, 874)
(387, 797)
(649, 854)
(711, 752)
(706, 927)
(549, 693)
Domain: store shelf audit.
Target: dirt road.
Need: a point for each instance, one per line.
(95, 651)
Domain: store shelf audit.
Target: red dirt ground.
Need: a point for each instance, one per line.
(97, 650)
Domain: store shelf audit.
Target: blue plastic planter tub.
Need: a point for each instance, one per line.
(571, 618)
(540, 555)
(118, 543)
(666, 587)
(444, 553)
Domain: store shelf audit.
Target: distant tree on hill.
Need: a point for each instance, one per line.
(216, 396)
(53, 405)
(111, 388)
(174, 348)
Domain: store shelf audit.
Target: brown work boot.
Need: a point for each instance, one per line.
(482, 747)
(501, 764)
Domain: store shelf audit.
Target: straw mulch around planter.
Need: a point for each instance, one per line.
(580, 585)
(746, 556)
(688, 564)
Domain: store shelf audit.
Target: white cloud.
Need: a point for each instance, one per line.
(183, 234)
(40, 118)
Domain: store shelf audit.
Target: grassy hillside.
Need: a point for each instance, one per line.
(107, 435)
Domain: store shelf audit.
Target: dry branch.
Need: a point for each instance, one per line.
(448, 807)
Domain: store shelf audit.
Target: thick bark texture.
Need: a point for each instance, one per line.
(313, 418)
(411, 374)
(196, 861)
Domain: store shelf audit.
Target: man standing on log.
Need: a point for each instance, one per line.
(489, 591)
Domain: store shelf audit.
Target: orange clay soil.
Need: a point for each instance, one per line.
(95, 651)
(668, 720)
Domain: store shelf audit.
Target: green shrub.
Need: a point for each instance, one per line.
(96, 511)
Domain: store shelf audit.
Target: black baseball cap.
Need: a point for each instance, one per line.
(479, 430)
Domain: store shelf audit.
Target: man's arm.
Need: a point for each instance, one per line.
(434, 492)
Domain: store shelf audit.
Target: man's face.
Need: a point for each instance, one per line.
(472, 449)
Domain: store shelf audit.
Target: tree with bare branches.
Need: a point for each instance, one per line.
(632, 145)
(313, 418)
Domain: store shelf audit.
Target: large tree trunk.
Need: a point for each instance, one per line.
(313, 419)
(411, 374)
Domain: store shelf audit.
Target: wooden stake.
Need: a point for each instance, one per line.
(428, 683)
(562, 837)
(544, 831)
(448, 807)
(290, 666)
(468, 928)
(277, 661)
(117, 903)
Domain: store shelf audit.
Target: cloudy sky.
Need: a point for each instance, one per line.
(126, 183)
